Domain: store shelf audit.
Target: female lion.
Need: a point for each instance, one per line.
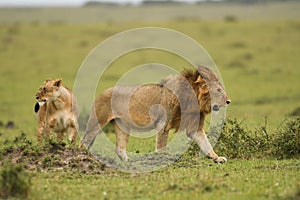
(57, 111)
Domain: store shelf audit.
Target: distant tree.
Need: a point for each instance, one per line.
(99, 3)
(155, 2)
(255, 1)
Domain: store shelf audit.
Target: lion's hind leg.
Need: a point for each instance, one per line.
(161, 140)
(122, 140)
(92, 129)
(89, 137)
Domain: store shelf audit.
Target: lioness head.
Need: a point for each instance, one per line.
(49, 91)
(211, 92)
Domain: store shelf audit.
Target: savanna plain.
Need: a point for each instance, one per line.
(256, 48)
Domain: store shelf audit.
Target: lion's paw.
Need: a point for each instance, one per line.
(122, 154)
(220, 160)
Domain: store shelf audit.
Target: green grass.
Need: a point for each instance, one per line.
(246, 179)
(190, 177)
(256, 53)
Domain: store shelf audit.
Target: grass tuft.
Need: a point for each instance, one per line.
(15, 182)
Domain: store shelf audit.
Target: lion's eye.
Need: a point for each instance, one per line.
(219, 90)
(44, 90)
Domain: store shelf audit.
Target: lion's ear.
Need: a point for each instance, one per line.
(204, 89)
(57, 82)
(200, 81)
(202, 84)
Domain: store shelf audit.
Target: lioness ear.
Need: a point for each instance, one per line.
(57, 82)
(47, 80)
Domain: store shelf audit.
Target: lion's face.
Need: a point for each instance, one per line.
(49, 91)
(218, 96)
(211, 92)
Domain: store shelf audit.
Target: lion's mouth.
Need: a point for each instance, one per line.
(41, 102)
(216, 108)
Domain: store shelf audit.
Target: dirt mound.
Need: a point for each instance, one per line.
(59, 157)
(50, 157)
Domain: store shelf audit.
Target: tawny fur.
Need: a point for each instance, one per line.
(57, 111)
(180, 102)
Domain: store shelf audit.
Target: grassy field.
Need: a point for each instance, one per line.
(255, 48)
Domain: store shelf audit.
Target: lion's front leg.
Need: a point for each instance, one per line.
(43, 128)
(215, 157)
(122, 140)
(205, 146)
(73, 127)
(40, 131)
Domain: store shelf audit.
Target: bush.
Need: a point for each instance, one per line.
(287, 140)
(236, 141)
(15, 182)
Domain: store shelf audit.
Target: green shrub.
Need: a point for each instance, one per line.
(236, 141)
(15, 182)
(287, 139)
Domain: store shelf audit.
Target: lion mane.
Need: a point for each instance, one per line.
(187, 110)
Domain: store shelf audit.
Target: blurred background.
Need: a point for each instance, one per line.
(255, 45)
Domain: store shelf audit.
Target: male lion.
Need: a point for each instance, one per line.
(180, 102)
(57, 111)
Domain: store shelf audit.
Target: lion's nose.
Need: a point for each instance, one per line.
(37, 97)
(228, 101)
